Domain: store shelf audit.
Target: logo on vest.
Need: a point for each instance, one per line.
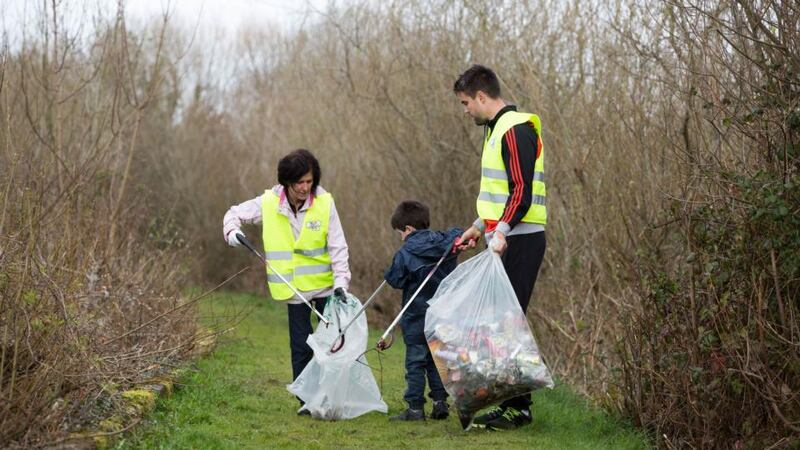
(314, 225)
(491, 142)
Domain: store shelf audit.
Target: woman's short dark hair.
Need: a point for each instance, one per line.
(478, 78)
(413, 213)
(293, 166)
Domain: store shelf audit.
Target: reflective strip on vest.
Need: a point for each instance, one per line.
(502, 198)
(273, 278)
(275, 256)
(312, 252)
(497, 174)
(311, 270)
(493, 198)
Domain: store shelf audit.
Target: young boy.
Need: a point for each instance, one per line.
(420, 252)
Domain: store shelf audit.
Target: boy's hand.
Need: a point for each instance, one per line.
(467, 240)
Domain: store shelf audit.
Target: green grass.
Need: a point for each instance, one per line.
(237, 399)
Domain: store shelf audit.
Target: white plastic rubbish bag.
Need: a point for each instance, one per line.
(480, 339)
(336, 386)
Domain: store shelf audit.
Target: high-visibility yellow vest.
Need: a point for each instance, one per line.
(304, 262)
(494, 180)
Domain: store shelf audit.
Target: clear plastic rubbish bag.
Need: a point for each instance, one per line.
(480, 339)
(336, 386)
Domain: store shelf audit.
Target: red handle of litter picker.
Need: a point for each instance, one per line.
(459, 245)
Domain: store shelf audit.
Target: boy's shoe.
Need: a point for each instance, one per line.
(304, 412)
(408, 415)
(493, 413)
(512, 418)
(440, 410)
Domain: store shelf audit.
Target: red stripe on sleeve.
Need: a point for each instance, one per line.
(513, 154)
(516, 175)
(519, 183)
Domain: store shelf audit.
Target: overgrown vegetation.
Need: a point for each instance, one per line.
(88, 292)
(670, 287)
(711, 351)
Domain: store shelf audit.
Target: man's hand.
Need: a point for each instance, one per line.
(231, 237)
(498, 243)
(467, 240)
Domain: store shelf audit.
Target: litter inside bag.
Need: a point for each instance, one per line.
(480, 339)
(336, 386)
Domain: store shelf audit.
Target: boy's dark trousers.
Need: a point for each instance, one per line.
(419, 365)
(522, 260)
(299, 329)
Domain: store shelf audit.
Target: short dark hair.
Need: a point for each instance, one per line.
(478, 78)
(293, 166)
(413, 213)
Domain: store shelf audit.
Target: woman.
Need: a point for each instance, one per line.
(303, 240)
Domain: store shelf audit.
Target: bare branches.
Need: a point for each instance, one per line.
(658, 120)
(64, 118)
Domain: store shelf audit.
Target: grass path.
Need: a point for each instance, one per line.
(237, 399)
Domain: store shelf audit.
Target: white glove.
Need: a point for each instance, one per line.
(231, 238)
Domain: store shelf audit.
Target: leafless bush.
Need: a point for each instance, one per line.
(669, 290)
(711, 351)
(89, 297)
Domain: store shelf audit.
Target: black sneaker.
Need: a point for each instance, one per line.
(304, 412)
(408, 415)
(492, 414)
(511, 419)
(440, 410)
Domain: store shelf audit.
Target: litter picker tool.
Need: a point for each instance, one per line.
(382, 343)
(250, 247)
(339, 342)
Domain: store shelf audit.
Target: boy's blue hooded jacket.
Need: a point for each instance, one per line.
(411, 264)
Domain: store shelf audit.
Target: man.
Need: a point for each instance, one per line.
(303, 240)
(511, 203)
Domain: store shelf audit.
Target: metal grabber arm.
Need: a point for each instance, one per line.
(250, 247)
(338, 343)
